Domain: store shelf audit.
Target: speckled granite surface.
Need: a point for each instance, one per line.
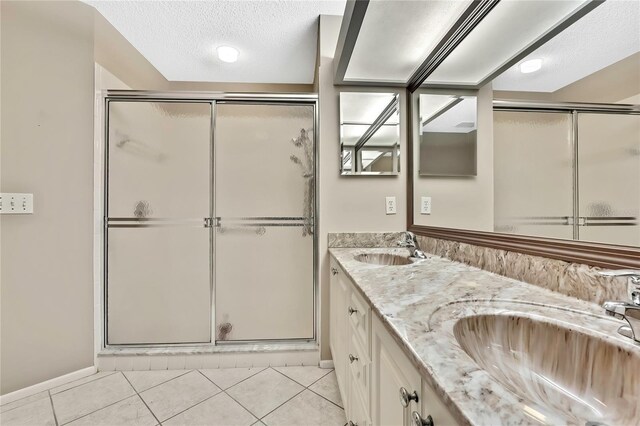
(421, 303)
(364, 239)
(572, 279)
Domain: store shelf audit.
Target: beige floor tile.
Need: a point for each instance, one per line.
(220, 410)
(82, 381)
(303, 375)
(85, 399)
(328, 387)
(179, 394)
(263, 392)
(143, 380)
(37, 413)
(227, 377)
(130, 412)
(307, 409)
(23, 401)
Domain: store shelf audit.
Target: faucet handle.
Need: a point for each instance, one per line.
(634, 282)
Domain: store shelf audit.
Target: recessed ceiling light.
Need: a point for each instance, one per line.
(228, 53)
(532, 65)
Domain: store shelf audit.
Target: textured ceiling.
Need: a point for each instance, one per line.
(608, 34)
(277, 39)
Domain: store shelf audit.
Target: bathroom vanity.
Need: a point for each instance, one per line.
(437, 342)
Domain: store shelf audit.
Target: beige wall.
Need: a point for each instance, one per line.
(462, 202)
(348, 203)
(47, 149)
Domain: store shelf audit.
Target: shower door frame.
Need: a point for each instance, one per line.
(295, 99)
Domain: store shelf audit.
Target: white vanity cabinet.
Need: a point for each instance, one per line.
(396, 383)
(378, 383)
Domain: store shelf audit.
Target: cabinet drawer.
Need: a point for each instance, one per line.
(359, 366)
(360, 318)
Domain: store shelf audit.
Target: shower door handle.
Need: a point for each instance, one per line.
(211, 222)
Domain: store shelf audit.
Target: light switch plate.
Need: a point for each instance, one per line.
(16, 203)
(390, 203)
(425, 205)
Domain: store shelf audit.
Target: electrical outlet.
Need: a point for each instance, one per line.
(425, 205)
(15, 203)
(390, 203)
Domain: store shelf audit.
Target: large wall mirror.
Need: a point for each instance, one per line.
(447, 132)
(369, 133)
(555, 145)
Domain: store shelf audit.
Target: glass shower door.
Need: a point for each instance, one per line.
(533, 173)
(158, 282)
(264, 203)
(609, 178)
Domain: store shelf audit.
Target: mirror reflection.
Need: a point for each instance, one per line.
(369, 133)
(557, 140)
(448, 128)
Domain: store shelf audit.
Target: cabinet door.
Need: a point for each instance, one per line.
(357, 413)
(339, 293)
(433, 406)
(392, 371)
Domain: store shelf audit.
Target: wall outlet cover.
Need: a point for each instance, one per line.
(16, 203)
(390, 205)
(425, 205)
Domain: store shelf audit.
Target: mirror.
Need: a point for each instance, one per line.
(447, 135)
(557, 140)
(369, 133)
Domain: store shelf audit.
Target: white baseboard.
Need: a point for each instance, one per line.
(326, 363)
(42, 386)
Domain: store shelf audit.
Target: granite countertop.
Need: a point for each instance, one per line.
(420, 303)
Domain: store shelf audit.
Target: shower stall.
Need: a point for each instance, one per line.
(568, 171)
(209, 219)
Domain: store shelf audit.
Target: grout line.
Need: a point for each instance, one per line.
(141, 399)
(82, 384)
(101, 408)
(53, 409)
(224, 391)
(198, 403)
(282, 404)
(331, 370)
(194, 405)
(324, 397)
(240, 404)
(235, 384)
(19, 406)
(155, 386)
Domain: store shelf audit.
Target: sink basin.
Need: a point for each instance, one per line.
(563, 375)
(383, 259)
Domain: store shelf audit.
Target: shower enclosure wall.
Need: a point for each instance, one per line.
(209, 218)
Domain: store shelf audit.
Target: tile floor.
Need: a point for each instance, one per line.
(273, 396)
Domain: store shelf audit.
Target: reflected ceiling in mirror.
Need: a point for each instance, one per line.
(447, 135)
(369, 133)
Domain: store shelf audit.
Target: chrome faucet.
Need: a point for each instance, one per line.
(629, 312)
(410, 241)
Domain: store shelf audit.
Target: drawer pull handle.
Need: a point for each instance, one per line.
(351, 310)
(334, 271)
(352, 358)
(406, 397)
(417, 420)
